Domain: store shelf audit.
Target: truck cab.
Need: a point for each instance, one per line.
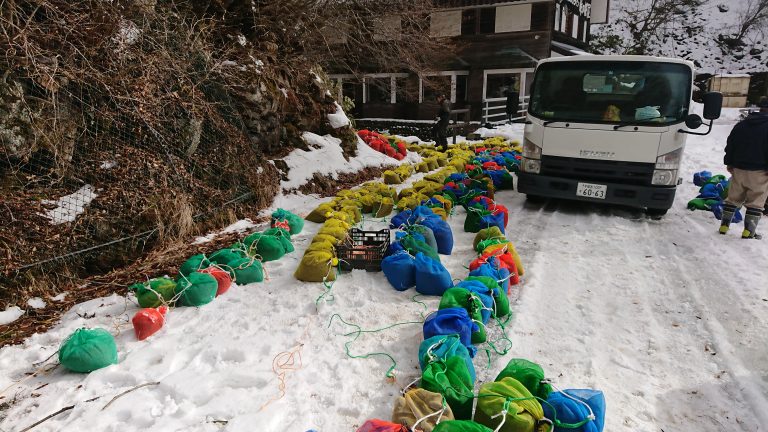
(610, 129)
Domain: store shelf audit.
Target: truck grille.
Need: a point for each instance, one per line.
(638, 173)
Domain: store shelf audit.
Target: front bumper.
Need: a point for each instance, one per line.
(655, 197)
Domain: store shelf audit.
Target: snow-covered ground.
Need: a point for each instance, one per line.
(667, 317)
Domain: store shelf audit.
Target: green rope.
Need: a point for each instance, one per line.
(359, 331)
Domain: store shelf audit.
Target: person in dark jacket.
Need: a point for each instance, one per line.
(443, 117)
(746, 156)
(513, 100)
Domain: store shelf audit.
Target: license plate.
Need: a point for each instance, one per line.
(590, 190)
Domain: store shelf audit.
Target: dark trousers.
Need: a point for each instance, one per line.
(440, 133)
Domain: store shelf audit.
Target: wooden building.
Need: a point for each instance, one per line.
(500, 40)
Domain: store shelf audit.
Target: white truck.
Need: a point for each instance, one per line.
(610, 129)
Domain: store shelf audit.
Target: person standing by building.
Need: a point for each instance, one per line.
(440, 130)
(746, 156)
(513, 99)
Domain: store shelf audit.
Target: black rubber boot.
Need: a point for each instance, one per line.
(725, 221)
(750, 224)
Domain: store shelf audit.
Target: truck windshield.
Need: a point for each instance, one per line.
(649, 93)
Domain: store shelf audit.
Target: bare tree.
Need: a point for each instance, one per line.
(754, 17)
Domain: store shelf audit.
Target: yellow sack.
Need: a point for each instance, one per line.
(458, 164)
(418, 403)
(346, 193)
(323, 245)
(320, 213)
(325, 238)
(354, 212)
(316, 266)
(437, 177)
(447, 204)
(337, 232)
(432, 163)
(421, 184)
(487, 233)
(385, 208)
(391, 177)
(367, 201)
(406, 193)
(442, 159)
(422, 167)
(440, 212)
(336, 223)
(405, 168)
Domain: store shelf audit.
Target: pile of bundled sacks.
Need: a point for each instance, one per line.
(201, 279)
(379, 200)
(388, 145)
(431, 160)
(713, 191)
(337, 216)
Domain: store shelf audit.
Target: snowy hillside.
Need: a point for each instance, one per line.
(696, 34)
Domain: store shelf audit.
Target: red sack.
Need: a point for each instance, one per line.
(222, 278)
(498, 208)
(376, 145)
(505, 260)
(148, 321)
(469, 167)
(402, 148)
(493, 166)
(381, 426)
(389, 151)
(363, 133)
(399, 156)
(480, 149)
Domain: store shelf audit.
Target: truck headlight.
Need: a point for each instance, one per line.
(669, 161)
(531, 150)
(531, 166)
(663, 177)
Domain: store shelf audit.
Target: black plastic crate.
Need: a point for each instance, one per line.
(363, 250)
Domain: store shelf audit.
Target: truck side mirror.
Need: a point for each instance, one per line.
(713, 105)
(693, 121)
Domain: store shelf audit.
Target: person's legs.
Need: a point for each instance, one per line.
(736, 196)
(756, 186)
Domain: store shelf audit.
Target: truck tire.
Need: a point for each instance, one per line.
(535, 199)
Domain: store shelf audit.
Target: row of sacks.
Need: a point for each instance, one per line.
(520, 399)
(201, 279)
(431, 161)
(388, 145)
(713, 190)
(413, 259)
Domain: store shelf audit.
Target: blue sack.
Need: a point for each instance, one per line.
(442, 232)
(442, 347)
(431, 276)
(492, 269)
(394, 248)
(701, 177)
(482, 291)
(400, 271)
(452, 321)
(490, 220)
(458, 177)
(568, 412)
(717, 210)
(400, 219)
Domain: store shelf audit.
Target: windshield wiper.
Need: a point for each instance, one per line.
(635, 123)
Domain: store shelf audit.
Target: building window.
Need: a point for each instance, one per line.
(575, 26)
(585, 32)
(558, 17)
(487, 21)
(468, 22)
(497, 84)
(378, 90)
(453, 84)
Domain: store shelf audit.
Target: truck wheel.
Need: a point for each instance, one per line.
(656, 213)
(535, 199)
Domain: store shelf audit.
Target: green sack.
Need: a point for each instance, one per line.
(284, 237)
(247, 270)
(507, 181)
(224, 256)
(196, 289)
(194, 263)
(524, 412)
(487, 233)
(269, 248)
(414, 246)
(528, 374)
(295, 223)
(87, 350)
(462, 298)
(315, 267)
(474, 215)
(452, 379)
(147, 296)
(460, 426)
(500, 300)
(483, 245)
